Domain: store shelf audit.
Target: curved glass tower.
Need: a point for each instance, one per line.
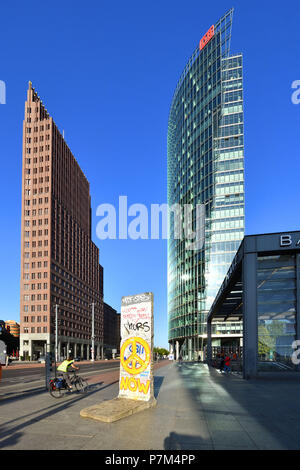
(205, 166)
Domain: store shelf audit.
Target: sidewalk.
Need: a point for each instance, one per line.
(197, 408)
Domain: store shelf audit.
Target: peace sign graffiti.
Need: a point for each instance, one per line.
(139, 355)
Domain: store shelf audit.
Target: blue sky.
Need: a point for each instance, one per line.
(106, 72)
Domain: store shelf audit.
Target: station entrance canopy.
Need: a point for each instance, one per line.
(262, 289)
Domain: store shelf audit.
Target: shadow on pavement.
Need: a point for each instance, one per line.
(158, 380)
(12, 433)
(11, 396)
(265, 411)
(183, 442)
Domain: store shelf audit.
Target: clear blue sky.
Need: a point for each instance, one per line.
(106, 72)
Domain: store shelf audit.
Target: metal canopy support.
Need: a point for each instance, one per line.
(250, 340)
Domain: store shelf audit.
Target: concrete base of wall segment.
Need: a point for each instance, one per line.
(118, 408)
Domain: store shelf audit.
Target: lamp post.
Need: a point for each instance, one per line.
(56, 333)
(93, 332)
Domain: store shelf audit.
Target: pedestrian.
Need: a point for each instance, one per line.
(227, 364)
(65, 367)
(222, 362)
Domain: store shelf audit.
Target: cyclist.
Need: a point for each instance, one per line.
(65, 367)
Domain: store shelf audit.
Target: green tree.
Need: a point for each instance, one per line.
(161, 351)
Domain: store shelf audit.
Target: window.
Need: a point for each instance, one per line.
(276, 305)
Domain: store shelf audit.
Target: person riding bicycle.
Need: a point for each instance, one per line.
(65, 367)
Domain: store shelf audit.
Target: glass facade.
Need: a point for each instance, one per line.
(205, 166)
(276, 310)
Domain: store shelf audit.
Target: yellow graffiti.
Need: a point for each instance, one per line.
(134, 384)
(134, 364)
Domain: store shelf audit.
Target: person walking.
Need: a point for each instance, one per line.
(227, 364)
(65, 368)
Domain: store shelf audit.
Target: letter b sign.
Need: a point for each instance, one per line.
(285, 240)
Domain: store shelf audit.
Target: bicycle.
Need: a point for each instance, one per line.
(58, 386)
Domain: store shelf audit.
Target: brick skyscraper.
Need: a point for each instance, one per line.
(59, 261)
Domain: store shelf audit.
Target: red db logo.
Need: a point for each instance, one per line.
(207, 37)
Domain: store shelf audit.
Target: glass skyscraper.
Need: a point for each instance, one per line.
(205, 166)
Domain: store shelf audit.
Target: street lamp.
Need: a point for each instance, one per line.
(56, 333)
(93, 332)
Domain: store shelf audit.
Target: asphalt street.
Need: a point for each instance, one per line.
(17, 375)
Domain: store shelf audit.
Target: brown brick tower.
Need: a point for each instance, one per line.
(59, 262)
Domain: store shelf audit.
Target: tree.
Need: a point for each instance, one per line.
(161, 351)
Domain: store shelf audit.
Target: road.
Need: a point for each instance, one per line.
(19, 374)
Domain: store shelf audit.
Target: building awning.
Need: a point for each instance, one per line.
(229, 300)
